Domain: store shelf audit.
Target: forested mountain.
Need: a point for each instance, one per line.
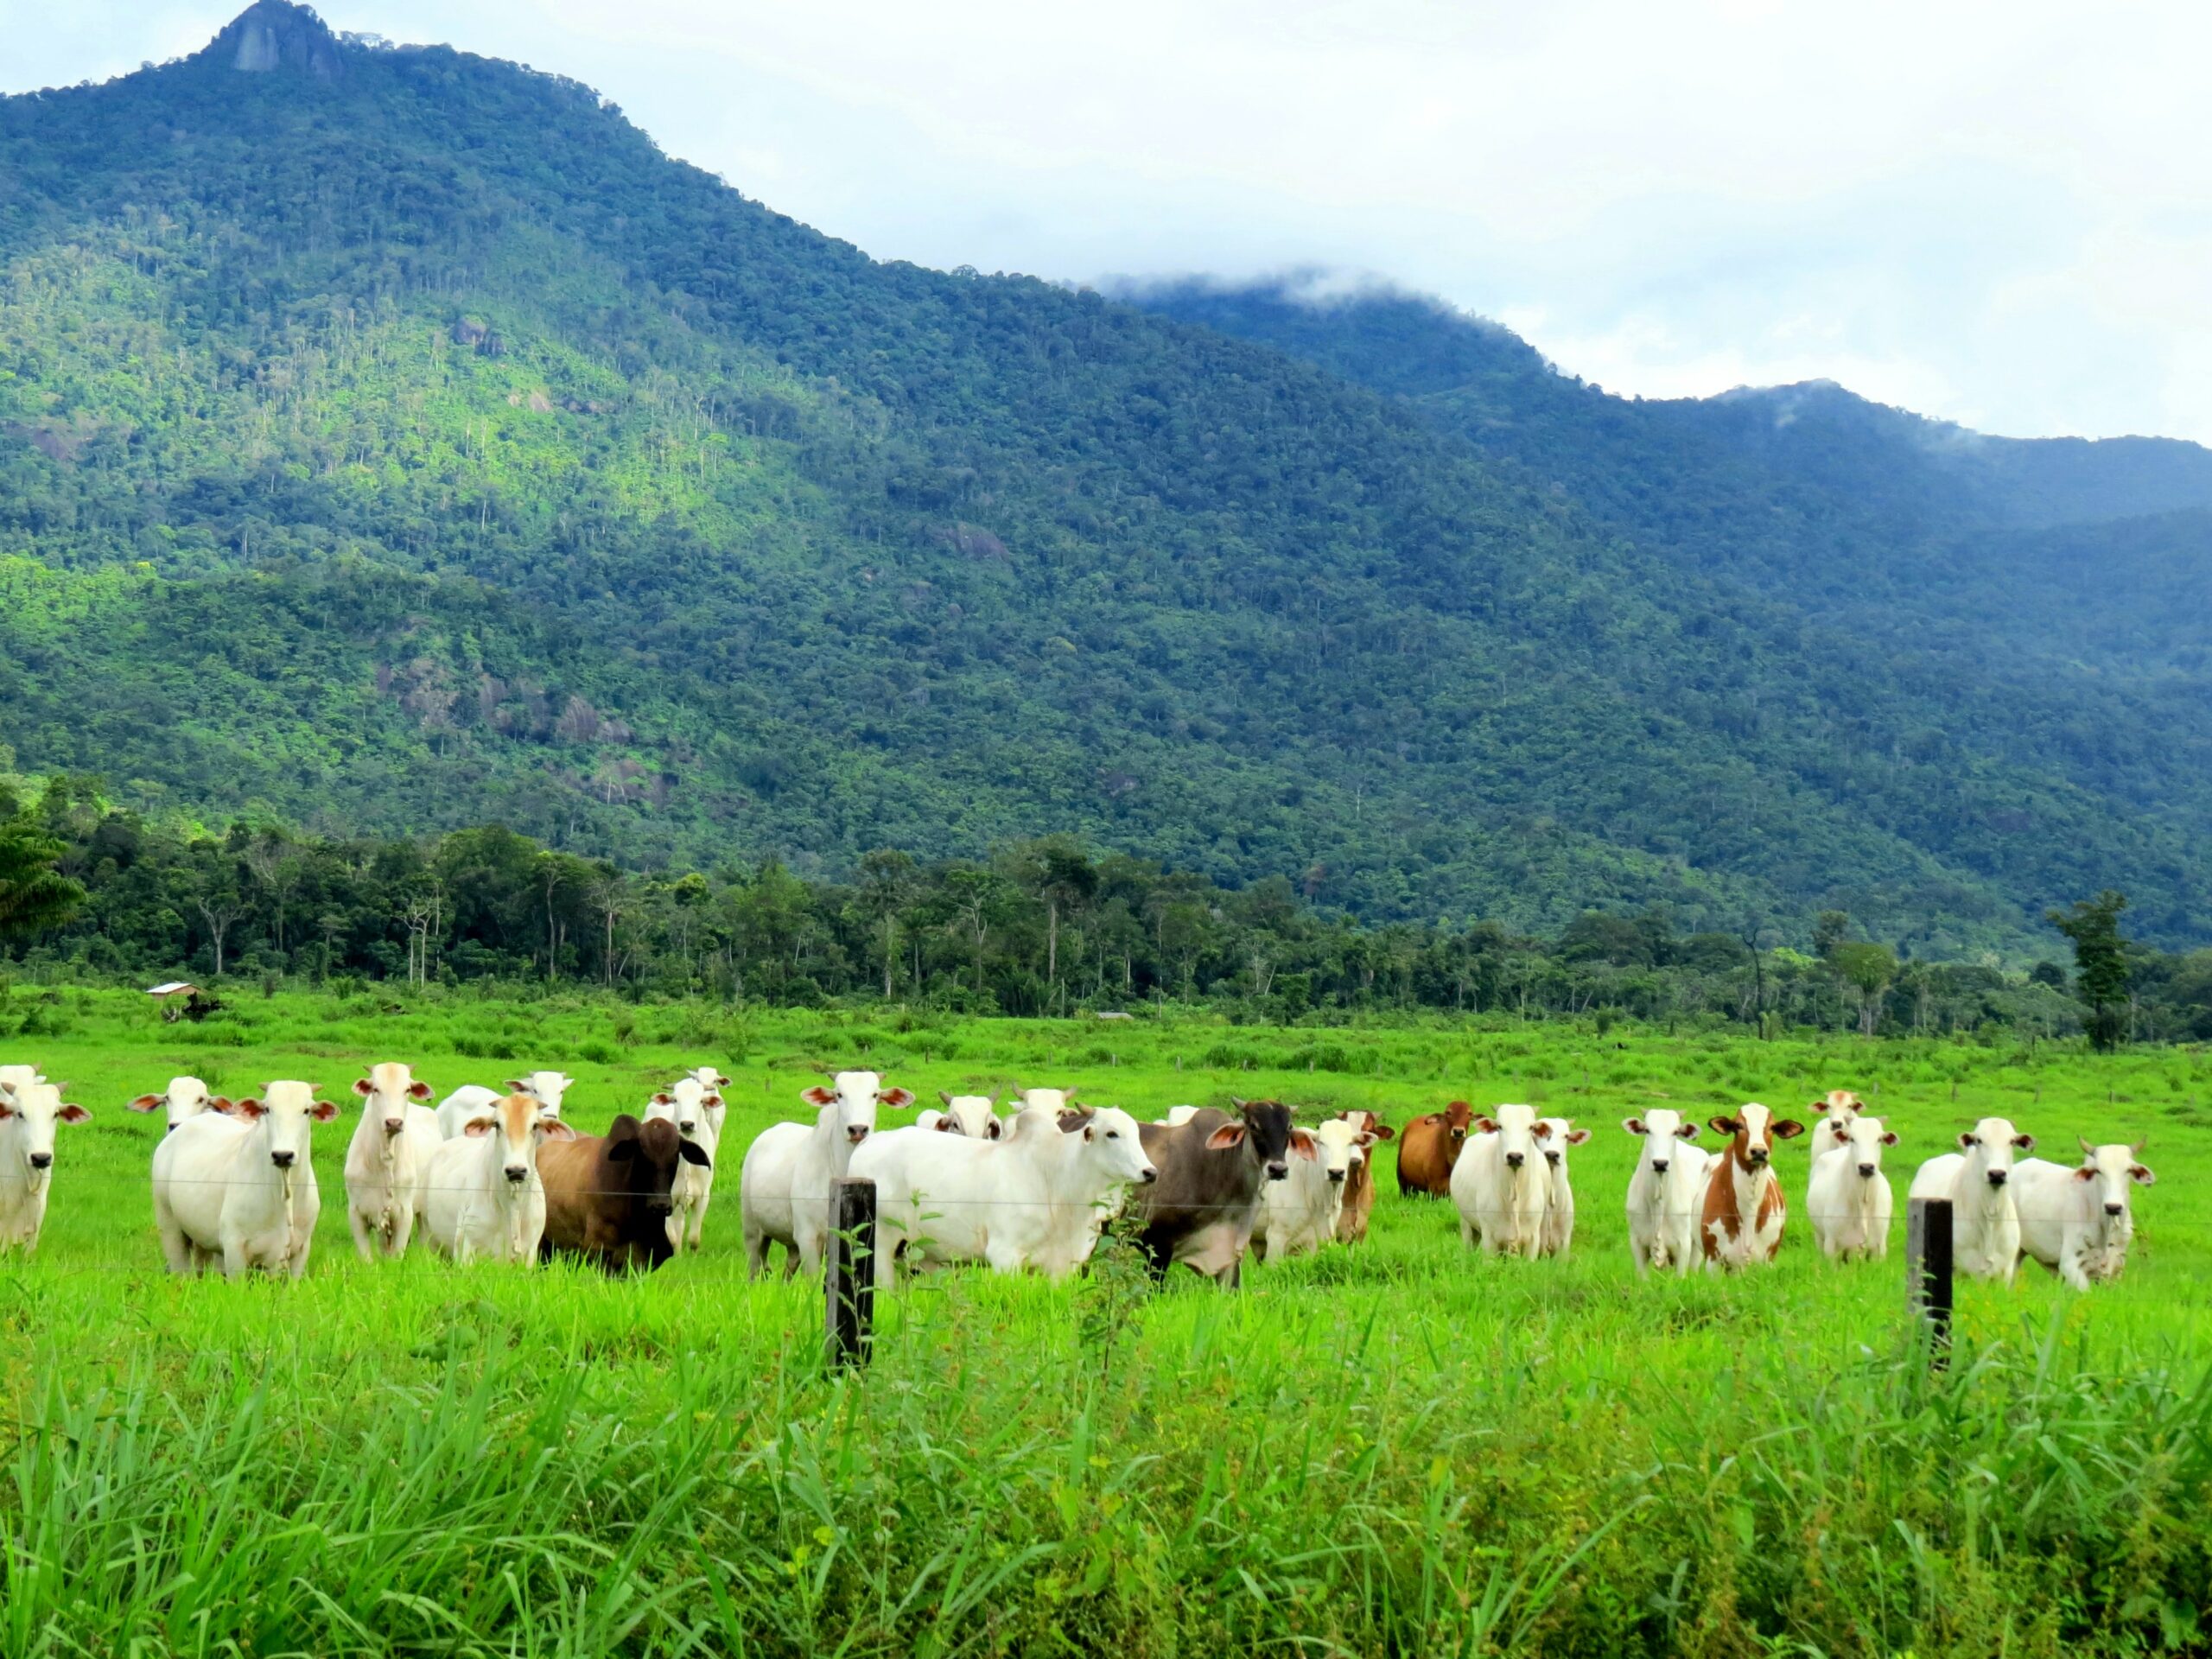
(394, 439)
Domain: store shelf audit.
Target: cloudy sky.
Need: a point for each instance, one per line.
(1998, 214)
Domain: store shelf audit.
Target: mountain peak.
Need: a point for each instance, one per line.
(277, 35)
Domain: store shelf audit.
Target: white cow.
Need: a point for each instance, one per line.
(487, 1203)
(1985, 1224)
(1849, 1201)
(28, 1111)
(968, 1114)
(469, 1101)
(1559, 1213)
(1298, 1214)
(1666, 1195)
(1034, 1199)
(388, 1161)
(1501, 1184)
(240, 1186)
(2079, 1222)
(783, 1188)
(696, 1111)
(183, 1100)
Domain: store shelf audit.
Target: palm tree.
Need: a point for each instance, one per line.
(33, 895)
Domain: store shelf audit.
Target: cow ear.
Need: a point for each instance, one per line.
(1888, 1137)
(664, 1099)
(692, 1152)
(2141, 1175)
(1965, 1139)
(1689, 1131)
(555, 1128)
(1303, 1145)
(624, 1150)
(1721, 1125)
(364, 1088)
(1483, 1126)
(2025, 1143)
(1227, 1135)
(418, 1090)
(517, 1086)
(7, 1099)
(477, 1128)
(1789, 1129)
(1576, 1137)
(720, 1081)
(143, 1104)
(1071, 1121)
(72, 1113)
(1541, 1128)
(2087, 1172)
(248, 1109)
(1384, 1132)
(222, 1103)
(712, 1102)
(946, 1125)
(896, 1099)
(817, 1096)
(1636, 1126)
(995, 1131)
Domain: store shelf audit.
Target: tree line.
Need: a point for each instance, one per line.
(1045, 926)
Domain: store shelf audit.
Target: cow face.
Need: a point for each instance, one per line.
(1661, 1127)
(968, 1114)
(1752, 1132)
(1340, 1148)
(2112, 1169)
(849, 1103)
(695, 1110)
(1266, 1132)
(285, 1114)
(1835, 1112)
(546, 1088)
(651, 1151)
(1368, 1124)
(1113, 1143)
(517, 1123)
(1519, 1134)
(29, 1111)
(1563, 1134)
(1866, 1137)
(386, 1093)
(1459, 1120)
(184, 1100)
(1990, 1147)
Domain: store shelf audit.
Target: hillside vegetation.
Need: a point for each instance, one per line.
(397, 441)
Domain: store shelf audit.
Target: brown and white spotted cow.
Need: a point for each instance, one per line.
(1744, 1206)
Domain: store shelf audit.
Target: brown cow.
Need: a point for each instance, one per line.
(1743, 1207)
(1202, 1209)
(1428, 1148)
(1359, 1184)
(609, 1197)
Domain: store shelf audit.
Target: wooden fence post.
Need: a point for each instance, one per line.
(1928, 1272)
(850, 1276)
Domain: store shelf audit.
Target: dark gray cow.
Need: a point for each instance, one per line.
(1203, 1208)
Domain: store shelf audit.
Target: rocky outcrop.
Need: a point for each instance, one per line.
(274, 36)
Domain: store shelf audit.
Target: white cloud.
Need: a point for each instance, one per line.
(1992, 213)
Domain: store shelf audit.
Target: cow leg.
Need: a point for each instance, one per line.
(698, 1222)
(364, 1243)
(176, 1249)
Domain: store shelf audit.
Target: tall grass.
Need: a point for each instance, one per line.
(1396, 1450)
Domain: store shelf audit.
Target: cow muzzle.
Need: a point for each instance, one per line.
(1552, 1158)
(687, 1128)
(1149, 1176)
(516, 1174)
(1278, 1172)
(394, 1125)
(1997, 1177)
(1659, 1165)
(1514, 1160)
(1866, 1172)
(2114, 1210)
(857, 1133)
(41, 1160)
(1336, 1176)
(282, 1159)
(1756, 1157)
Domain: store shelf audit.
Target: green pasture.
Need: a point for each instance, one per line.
(1394, 1449)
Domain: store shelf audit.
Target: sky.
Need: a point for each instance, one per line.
(1999, 214)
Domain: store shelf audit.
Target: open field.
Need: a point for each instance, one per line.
(1397, 1448)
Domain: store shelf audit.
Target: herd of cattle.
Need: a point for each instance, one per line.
(499, 1176)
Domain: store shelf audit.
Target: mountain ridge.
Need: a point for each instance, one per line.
(611, 503)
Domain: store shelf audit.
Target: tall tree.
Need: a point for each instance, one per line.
(33, 895)
(2100, 962)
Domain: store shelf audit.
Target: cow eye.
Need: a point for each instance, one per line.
(1113, 1134)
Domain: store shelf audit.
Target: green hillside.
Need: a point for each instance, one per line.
(394, 439)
